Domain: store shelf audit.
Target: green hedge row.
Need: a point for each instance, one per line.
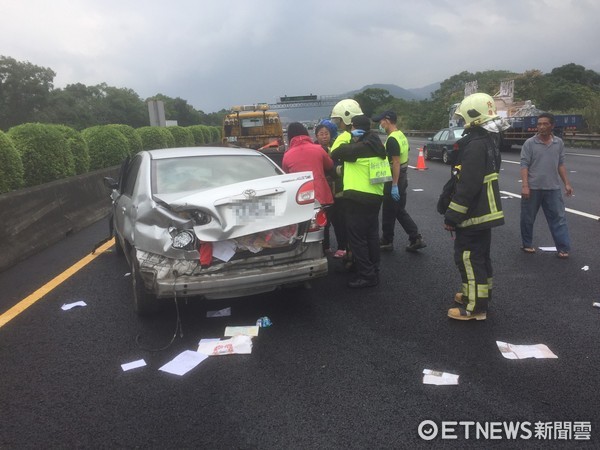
(35, 153)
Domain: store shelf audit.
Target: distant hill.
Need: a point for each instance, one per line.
(316, 113)
(422, 93)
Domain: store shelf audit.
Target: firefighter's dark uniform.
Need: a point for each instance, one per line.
(474, 210)
(363, 194)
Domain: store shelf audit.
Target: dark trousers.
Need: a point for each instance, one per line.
(472, 257)
(362, 223)
(338, 220)
(393, 210)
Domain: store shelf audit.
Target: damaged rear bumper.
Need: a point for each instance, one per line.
(167, 278)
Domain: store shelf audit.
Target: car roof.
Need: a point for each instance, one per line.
(182, 152)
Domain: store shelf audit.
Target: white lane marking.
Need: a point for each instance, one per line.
(583, 154)
(574, 211)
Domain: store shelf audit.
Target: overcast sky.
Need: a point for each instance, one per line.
(215, 54)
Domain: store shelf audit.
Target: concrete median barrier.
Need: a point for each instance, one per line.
(34, 218)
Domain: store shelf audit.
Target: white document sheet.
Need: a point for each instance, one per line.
(539, 351)
(585, 268)
(224, 250)
(236, 345)
(548, 249)
(184, 362)
(439, 378)
(251, 330)
(68, 306)
(225, 312)
(133, 365)
(417, 190)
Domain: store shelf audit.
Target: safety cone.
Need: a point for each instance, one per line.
(421, 161)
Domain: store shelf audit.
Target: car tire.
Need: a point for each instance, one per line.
(445, 156)
(426, 154)
(144, 303)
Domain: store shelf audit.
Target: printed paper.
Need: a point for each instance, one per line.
(439, 378)
(539, 351)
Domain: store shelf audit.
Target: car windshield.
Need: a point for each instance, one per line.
(458, 132)
(195, 173)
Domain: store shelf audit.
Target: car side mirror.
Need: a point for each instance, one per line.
(110, 183)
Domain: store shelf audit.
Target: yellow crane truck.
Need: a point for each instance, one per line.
(254, 126)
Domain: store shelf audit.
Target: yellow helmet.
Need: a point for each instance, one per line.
(346, 109)
(477, 109)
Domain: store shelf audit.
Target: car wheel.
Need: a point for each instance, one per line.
(445, 157)
(143, 302)
(426, 154)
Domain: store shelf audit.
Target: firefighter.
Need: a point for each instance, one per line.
(475, 207)
(341, 116)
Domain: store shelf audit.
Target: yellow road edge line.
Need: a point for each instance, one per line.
(52, 284)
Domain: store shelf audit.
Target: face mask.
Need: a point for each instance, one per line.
(381, 128)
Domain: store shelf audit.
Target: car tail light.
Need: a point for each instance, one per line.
(318, 221)
(306, 193)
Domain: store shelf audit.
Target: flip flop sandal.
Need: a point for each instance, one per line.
(563, 255)
(528, 249)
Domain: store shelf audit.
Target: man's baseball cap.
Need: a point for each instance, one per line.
(389, 115)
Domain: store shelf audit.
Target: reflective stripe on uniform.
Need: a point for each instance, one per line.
(458, 208)
(481, 219)
(471, 286)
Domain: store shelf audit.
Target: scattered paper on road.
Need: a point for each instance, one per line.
(128, 274)
(68, 306)
(439, 378)
(539, 351)
(417, 190)
(236, 345)
(133, 365)
(184, 362)
(548, 249)
(225, 312)
(596, 305)
(585, 268)
(251, 330)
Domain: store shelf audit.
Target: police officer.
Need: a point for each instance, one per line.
(394, 197)
(365, 171)
(475, 207)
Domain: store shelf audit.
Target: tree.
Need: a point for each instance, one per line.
(24, 91)
(11, 167)
(370, 99)
(44, 151)
(107, 146)
(576, 74)
(178, 109)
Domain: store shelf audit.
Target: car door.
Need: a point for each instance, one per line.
(436, 147)
(125, 210)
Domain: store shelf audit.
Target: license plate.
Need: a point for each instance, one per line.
(250, 211)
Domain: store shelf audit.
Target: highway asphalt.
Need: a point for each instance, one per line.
(337, 369)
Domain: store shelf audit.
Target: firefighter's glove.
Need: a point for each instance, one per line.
(357, 133)
(395, 193)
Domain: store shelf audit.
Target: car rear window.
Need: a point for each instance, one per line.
(207, 172)
(458, 133)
